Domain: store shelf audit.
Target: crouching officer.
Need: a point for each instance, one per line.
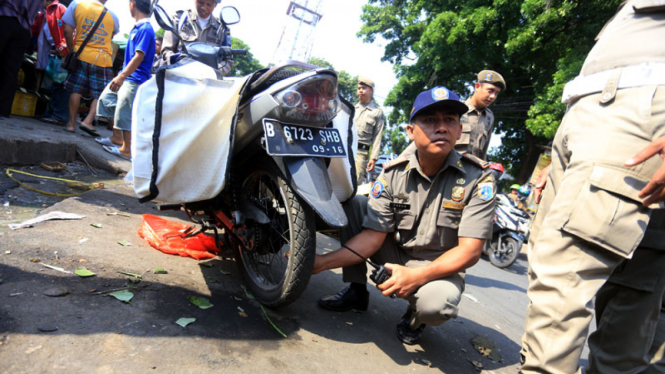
(427, 219)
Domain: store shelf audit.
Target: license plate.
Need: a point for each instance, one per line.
(284, 139)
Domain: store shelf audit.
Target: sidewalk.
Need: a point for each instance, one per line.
(27, 141)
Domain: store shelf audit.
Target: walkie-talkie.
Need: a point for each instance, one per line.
(380, 273)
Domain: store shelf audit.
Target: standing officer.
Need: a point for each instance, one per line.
(427, 219)
(593, 235)
(369, 121)
(478, 122)
(199, 25)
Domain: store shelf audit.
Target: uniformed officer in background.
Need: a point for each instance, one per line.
(478, 122)
(600, 228)
(197, 25)
(369, 121)
(427, 219)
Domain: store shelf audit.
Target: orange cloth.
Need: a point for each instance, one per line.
(158, 233)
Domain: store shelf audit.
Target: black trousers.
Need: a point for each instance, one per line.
(14, 40)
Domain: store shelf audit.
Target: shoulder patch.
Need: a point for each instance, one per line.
(476, 160)
(399, 160)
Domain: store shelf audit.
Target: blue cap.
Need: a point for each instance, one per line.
(439, 96)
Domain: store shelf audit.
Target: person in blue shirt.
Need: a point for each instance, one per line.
(116, 101)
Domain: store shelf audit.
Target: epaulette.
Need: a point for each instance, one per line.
(476, 160)
(388, 164)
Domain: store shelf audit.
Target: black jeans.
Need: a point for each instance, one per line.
(14, 40)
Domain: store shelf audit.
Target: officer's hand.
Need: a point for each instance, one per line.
(402, 283)
(370, 165)
(540, 184)
(654, 192)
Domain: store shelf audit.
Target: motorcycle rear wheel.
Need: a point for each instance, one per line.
(506, 252)
(274, 279)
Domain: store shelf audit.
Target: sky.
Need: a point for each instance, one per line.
(262, 22)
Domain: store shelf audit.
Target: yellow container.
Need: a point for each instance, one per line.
(21, 77)
(24, 104)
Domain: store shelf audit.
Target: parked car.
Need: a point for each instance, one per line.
(378, 168)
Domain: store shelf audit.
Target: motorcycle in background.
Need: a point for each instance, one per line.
(259, 160)
(509, 231)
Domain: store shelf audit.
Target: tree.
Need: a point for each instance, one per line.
(160, 32)
(243, 65)
(537, 45)
(394, 139)
(346, 83)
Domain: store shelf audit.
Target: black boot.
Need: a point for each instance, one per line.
(355, 297)
(404, 332)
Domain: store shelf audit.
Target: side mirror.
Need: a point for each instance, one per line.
(230, 15)
(163, 19)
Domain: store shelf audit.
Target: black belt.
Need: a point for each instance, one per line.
(363, 147)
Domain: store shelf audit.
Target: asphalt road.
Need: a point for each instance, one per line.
(95, 333)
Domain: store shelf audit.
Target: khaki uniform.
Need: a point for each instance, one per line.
(477, 126)
(593, 237)
(424, 218)
(215, 33)
(369, 121)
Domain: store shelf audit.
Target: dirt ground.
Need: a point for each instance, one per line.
(86, 330)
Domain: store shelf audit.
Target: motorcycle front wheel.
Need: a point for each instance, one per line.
(276, 259)
(505, 252)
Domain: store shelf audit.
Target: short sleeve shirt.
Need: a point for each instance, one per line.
(370, 121)
(430, 214)
(141, 38)
(82, 15)
(477, 127)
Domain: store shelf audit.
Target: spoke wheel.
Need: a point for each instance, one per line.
(505, 253)
(273, 278)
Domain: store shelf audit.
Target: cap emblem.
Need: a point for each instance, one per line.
(440, 93)
(488, 77)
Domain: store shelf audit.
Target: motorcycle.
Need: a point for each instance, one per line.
(272, 163)
(509, 231)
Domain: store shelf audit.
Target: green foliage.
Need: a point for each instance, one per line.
(537, 45)
(160, 32)
(243, 65)
(346, 83)
(394, 139)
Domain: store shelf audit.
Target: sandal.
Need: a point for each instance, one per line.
(115, 151)
(92, 132)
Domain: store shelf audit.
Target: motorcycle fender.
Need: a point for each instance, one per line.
(308, 177)
(514, 235)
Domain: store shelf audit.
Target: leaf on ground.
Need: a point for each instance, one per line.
(207, 264)
(241, 309)
(124, 295)
(184, 321)
(97, 225)
(159, 271)
(242, 314)
(237, 298)
(249, 295)
(137, 276)
(124, 243)
(83, 272)
(224, 271)
(201, 302)
(265, 314)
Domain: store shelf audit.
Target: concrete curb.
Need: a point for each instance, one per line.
(26, 141)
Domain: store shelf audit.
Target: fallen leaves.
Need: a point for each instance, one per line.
(83, 272)
(184, 321)
(201, 302)
(123, 295)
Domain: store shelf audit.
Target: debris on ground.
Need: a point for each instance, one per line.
(159, 271)
(167, 236)
(83, 272)
(57, 268)
(56, 292)
(486, 347)
(123, 295)
(470, 297)
(201, 302)
(124, 243)
(53, 166)
(44, 217)
(184, 321)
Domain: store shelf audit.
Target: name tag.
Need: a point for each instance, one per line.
(399, 206)
(453, 205)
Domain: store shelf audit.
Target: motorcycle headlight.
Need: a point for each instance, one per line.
(314, 99)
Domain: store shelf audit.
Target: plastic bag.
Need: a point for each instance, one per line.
(166, 236)
(55, 71)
